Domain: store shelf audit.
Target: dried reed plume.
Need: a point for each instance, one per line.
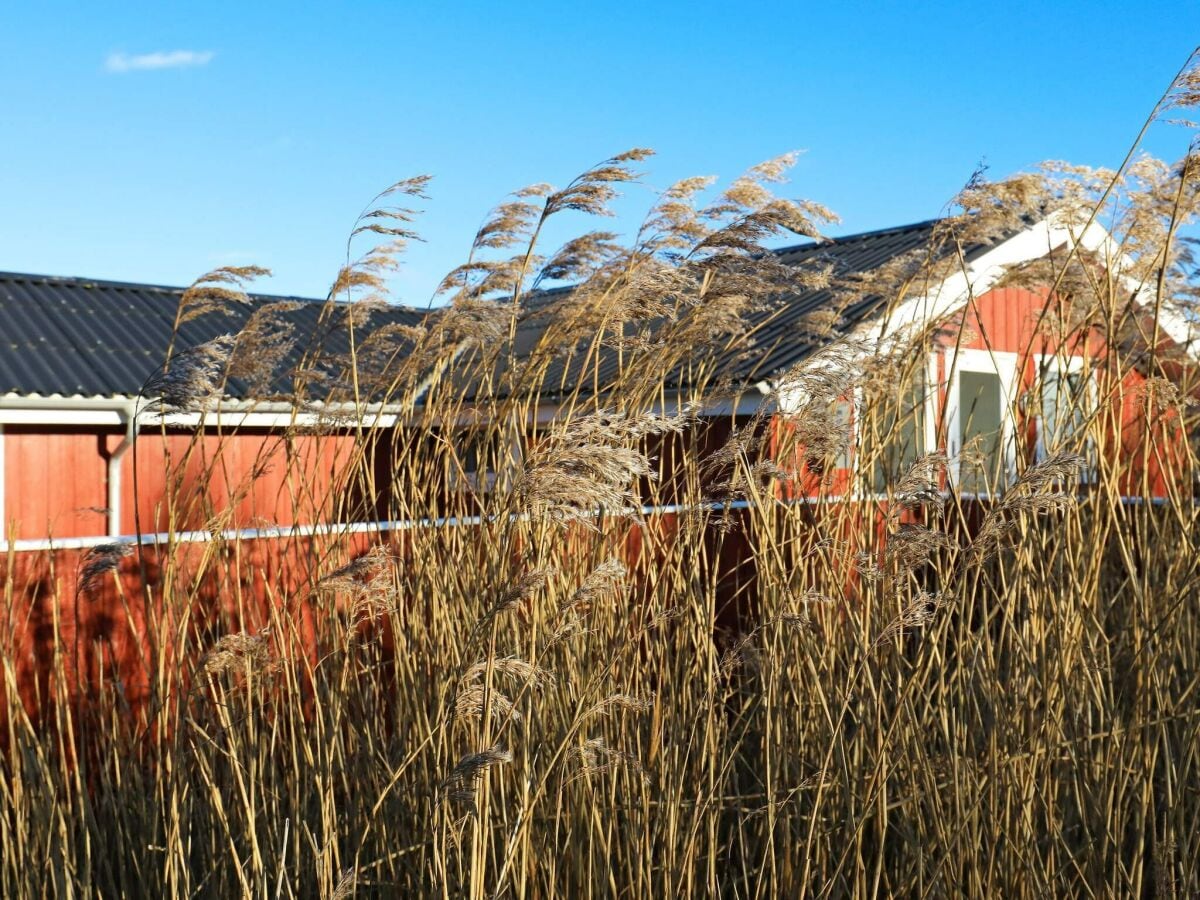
(518, 670)
(606, 578)
(620, 703)
(362, 284)
(594, 190)
(358, 574)
(1160, 395)
(262, 345)
(920, 485)
(240, 652)
(588, 467)
(192, 377)
(1037, 490)
(802, 621)
(596, 758)
(99, 561)
(346, 885)
(910, 546)
(219, 291)
(519, 592)
(462, 783)
(1185, 89)
(369, 584)
(740, 465)
(471, 699)
(742, 652)
(813, 396)
(918, 613)
(473, 696)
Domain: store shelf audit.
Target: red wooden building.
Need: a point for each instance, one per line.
(992, 383)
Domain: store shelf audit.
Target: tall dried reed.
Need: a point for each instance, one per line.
(542, 689)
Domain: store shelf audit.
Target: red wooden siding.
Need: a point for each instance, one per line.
(55, 476)
(56, 479)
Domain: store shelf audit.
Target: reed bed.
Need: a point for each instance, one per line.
(559, 689)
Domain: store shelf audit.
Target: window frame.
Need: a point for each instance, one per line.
(1064, 366)
(926, 438)
(1003, 364)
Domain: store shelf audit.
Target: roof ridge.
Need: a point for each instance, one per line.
(83, 282)
(858, 235)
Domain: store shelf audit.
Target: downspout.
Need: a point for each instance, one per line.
(114, 470)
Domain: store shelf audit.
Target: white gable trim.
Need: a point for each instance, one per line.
(981, 275)
(925, 310)
(1170, 319)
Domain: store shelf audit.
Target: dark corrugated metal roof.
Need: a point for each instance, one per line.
(778, 335)
(781, 338)
(81, 337)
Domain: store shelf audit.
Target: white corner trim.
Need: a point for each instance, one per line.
(109, 418)
(933, 396)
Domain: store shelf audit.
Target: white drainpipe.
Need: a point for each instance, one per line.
(114, 470)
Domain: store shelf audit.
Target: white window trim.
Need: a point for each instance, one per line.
(856, 473)
(933, 388)
(1064, 365)
(1001, 363)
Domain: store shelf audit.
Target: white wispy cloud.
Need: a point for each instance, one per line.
(162, 59)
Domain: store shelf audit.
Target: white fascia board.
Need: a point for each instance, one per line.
(255, 419)
(40, 410)
(116, 411)
(105, 417)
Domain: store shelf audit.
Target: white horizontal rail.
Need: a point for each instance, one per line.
(234, 534)
(293, 531)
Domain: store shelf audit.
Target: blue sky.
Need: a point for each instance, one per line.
(262, 138)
